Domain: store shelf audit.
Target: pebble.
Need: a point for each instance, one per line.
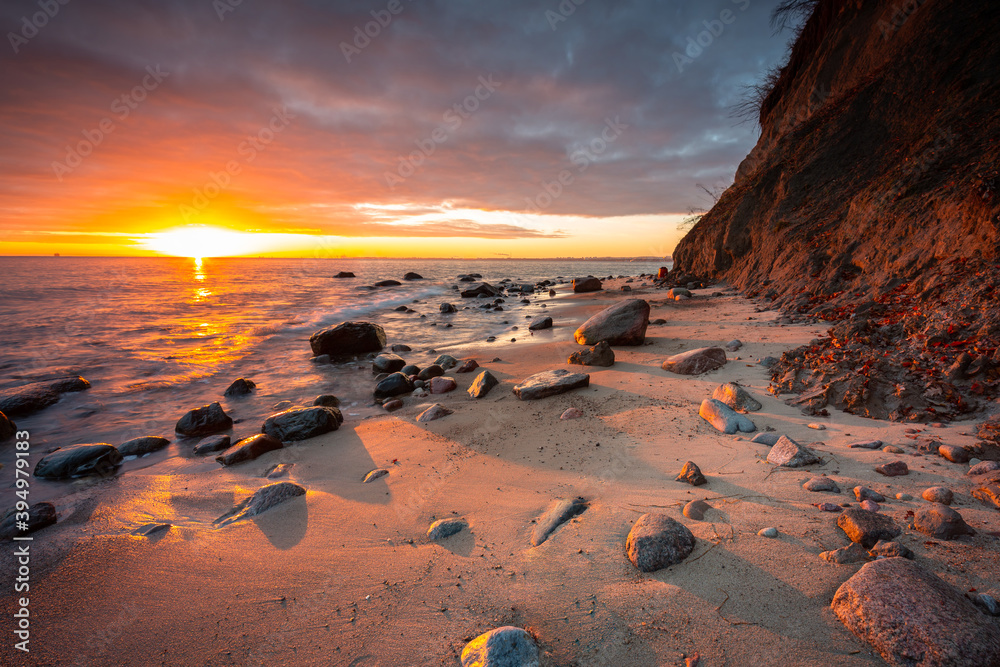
(938, 494)
(864, 493)
(954, 453)
(768, 532)
(892, 449)
(393, 405)
(869, 505)
(817, 484)
(903, 496)
(829, 507)
(443, 528)
(818, 427)
(375, 474)
(867, 444)
(892, 469)
(571, 413)
(691, 474)
(696, 509)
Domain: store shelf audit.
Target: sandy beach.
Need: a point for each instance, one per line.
(347, 576)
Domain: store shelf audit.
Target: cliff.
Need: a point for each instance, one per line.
(871, 199)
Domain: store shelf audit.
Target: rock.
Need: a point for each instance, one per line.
(387, 363)
(212, 444)
(941, 522)
(388, 283)
(410, 275)
(446, 362)
(502, 647)
(658, 321)
(7, 427)
(206, 420)
(586, 285)
(597, 355)
(302, 423)
(621, 324)
(559, 512)
(852, 553)
(571, 413)
(829, 507)
(816, 427)
(696, 509)
(892, 449)
(888, 549)
(821, 484)
(321, 359)
(903, 496)
(734, 345)
(467, 366)
(447, 308)
(678, 291)
(278, 470)
(954, 453)
(893, 469)
(983, 468)
(770, 532)
(411, 371)
(395, 384)
(481, 289)
(870, 506)
(552, 292)
(913, 618)
(348, 338)
(40, 515)
(988, 494)
(30, 398)
(696, 362)
(392, 405)
(768, 362)
(78, 460)
(736, 397)
(442, 385)
(142, 446)
(540, 323)
(431, 371)
(656, 541)
(482, 384)
(867, 444)
(938, 494)
(864, 493)
(550, 383)
(691, 474)
(443, 528)
(987, 603)
(241, 387)
(436, 411)
(790, 454)
(282, 405)
(262, 500)
(327, 400)
(866, 527)
(345, 274)
(724, 418)
(769, 439)
(248, 449)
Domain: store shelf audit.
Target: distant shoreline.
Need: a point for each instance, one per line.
(381, 259)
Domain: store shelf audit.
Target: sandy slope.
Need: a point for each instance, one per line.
(345, 576)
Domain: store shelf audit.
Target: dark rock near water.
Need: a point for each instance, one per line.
(431, 371)
(206, 420)
(7, 427)
(467, 366)
(624, 323)
(893, 469)
(691, 474)
(40, 515)
(481, 289)
(262, 500)
(241, 387)
(445, 361)
(866, 527)
(399, 347)
(444, 528)
(249, 449)
(392, 405)
(589, 284)
(348, 338)
(387, 363)
(442, 385)
(327, 400)
(394, 385)
(142, 446)
(941, 522)
(78, 460)
(410, 275)
(502, 647)
(540, 323)
(345, 274)
(482, 385)
(696, 362)
(597, 355)
(388, 283)
(436, 411)
(302, 423)
(550, 383)
(212, 444)
(558, 512)
(410, 370)
(656, 541)
(448, 308)
(30, 398)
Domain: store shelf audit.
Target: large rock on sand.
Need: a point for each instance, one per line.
(867, 528)
(656, 541)
(597, 355)
(77, 460)
(30, 398)
(550, 383)
(790, 454)
(589, 284)
(482, 384)
(914, 619)
(248, 449)
(206, 420)
(262, 500)
(736, 397)
(302, 423)
(502, 647)
(348, 338)
(480, 289)
(621, 324)
(696, 362)
(724, 418)
(941, 522)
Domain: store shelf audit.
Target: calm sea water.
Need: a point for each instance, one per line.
(157, 337)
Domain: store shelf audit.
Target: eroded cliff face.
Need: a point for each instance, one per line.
(872, 198)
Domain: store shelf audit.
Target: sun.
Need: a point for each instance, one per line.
(199, 241)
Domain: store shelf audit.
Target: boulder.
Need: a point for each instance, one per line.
(262, 500)
(889, 549)
(30, 398)
(212, 444)
(479, 289)
(540, 323)
(387, 362)
(345, 274)
(78, 460)
(941, 522)
(893, 469)
(442, 385)
(467, 366)
(852, 553)
(914, 619)
(954, 453)
(938, 494)
(983, 467)
(410, 275)
(691, 474)
(446, 362)
(988, 494)
(431, 371)
(40, 515)
(388, 283)
(396, 384)
(443, 528)
(436, 411)
(7, 427)
(141, 446)
(724, 418)
(559, 512)
(866, 527)
(597, 355)
(482, 384)
(302, 423)
(329, 400)
(736, 397)
(696, 362)
(790, 454)
(240, 387)
(206, 420)
(248, 449)
(448, 308)
(502, 647)
(863, 493)
(348, 338)
(550, 383)
(621, 324)
(589, 284)
(656, 541)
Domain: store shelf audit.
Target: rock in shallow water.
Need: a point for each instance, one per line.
(621, 324)
(142, 446)
(656, 541)
(395, 384)
(240, 387)
(724, 418)
(40, 515)
(348, 338)
(589, 284)
(206, 420)
(540, 323)
(387, 363)
(78, 460)
(503, 647)
(550, 383)
(262, 500)
(696, 362)
(913, 618)
(790, 454)
(558, 512)
(248, 449)
(212, 444)
(302, 423)
(30, 398)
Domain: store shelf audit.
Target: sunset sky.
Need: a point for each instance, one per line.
(446, 133)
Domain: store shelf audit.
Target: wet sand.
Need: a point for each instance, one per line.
(346, 575)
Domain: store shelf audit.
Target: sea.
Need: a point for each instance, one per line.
(157, 337)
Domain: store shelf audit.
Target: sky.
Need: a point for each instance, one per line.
(372, 127)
